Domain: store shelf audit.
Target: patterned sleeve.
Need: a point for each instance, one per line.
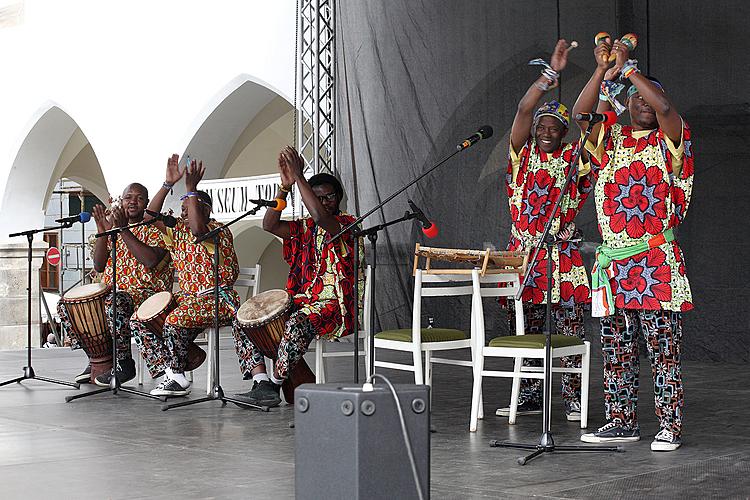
(579, 191)
(517, 163)
(680, 163)
(291, 244)
(600, 151)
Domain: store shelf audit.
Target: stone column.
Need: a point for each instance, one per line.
(13, 281)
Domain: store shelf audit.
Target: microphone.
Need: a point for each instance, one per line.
(483, 133)
(428, 228)
(276, 204)
(607, 118)
(167, 219)
(82, 217)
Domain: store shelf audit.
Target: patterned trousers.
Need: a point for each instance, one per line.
(125, 309)
(662, 331)
(567, 321)
(167, 351)
(298, 333)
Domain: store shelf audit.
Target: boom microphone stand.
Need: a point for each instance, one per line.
(483, 133)
(28, 370)
(217, 393)
(114, 383)
(546, 442)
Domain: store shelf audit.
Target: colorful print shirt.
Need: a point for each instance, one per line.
(321, 275)
(534, 180)
(194, 266)
(133, 277)
(643, 187)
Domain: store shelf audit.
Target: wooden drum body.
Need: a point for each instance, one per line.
(263, 319)
(153, 313)
(86, 310)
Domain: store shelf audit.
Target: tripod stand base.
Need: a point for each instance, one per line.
(217, 394)
(114, 389)
(28, 374)
(547, 445)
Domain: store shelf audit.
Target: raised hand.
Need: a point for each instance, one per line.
(103, 223)
(560, 55)
(174, 173)
(601, 53)
(290, 165)
(119, 217)
(193, 175)
(622, 52)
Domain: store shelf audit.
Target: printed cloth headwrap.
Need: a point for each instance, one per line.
(602, 302)
(553, 108)
(632, 90)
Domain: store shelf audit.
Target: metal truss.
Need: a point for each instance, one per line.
(315, 85)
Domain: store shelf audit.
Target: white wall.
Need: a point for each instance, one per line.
(139, 78)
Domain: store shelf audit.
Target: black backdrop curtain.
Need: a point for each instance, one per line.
(416, 77)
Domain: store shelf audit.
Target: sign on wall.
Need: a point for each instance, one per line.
(231, 197)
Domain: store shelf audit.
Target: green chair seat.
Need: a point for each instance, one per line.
(428, 335)
(534, 341)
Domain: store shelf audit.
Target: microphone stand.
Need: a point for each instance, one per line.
(217, 393)
(546, 442)
(373, 238)
(28, 370)
(114, 383)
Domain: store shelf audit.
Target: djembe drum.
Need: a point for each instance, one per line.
(153, 313)
(263, 319)
(85, 307)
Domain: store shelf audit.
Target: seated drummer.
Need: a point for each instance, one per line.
(193, 263)
(321, 278)
(143, 268)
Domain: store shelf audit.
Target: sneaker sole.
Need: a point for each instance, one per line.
(662, 446)
(83, 380)
(586, 438)
(106, 384)
(573, 417)
(272, 403)
(501, 412)
(156, 392)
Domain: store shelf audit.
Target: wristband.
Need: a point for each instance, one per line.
(167, 185)
(188, 195)
(630, 67)
(285, 189)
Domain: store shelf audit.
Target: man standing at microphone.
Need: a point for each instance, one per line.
(537, 170)
(321, 278)
(644, 179)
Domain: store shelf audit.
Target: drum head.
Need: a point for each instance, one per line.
(85, 291)
(263, 307)
(153, 305)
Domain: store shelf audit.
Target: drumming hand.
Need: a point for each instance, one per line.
(174, 173)
(193, 175)
(119, 217)
(100, 217)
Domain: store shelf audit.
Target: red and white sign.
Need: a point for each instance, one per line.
(53, 256)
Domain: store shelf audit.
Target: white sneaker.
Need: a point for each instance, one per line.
(573, 416)
(170, 388)
(665, 441)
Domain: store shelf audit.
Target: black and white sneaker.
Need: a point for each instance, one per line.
(665, 441)
(526, 408)
(125, 373)
(85, 376)
(170, 388)
(612, 433)
(263, 393)
(573, 411)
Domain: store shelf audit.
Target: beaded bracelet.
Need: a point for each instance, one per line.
(167, 186)
(285, 189)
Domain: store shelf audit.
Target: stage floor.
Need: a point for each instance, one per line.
(125, 447)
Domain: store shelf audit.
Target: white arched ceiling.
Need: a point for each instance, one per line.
(53, 143)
